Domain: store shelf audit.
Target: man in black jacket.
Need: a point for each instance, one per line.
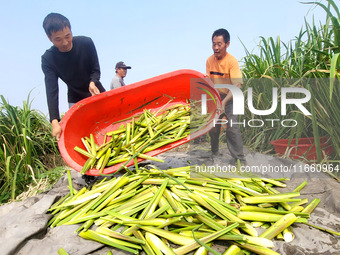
(72, 59)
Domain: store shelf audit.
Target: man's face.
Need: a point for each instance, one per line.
(62, 39)
(219, 46)
(121, 72)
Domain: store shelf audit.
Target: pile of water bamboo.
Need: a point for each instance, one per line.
(167, 212)
(139, 135)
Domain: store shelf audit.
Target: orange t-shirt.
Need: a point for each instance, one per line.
(224, 71)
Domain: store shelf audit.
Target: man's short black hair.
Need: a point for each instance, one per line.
(54, 22)
(223, 32)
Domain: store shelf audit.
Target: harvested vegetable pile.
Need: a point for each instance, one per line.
(167, 212)
(146, 132)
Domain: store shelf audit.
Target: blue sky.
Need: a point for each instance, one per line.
(154, 37)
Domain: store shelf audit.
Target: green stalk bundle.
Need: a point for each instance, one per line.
(149, 211)
(145, 133)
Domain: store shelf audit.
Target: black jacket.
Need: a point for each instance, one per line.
(77, 68)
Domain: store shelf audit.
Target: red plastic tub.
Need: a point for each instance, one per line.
(304, 148)
(95, 115)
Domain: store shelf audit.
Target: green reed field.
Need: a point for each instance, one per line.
(28, 151)
(310, 60)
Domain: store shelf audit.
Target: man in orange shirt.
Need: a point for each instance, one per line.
(223, 68)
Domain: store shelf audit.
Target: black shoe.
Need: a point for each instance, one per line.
(89, 180)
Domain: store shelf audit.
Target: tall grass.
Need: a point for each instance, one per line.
(27, 148)
(310, 60)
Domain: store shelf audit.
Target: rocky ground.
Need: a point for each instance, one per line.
(23, 224)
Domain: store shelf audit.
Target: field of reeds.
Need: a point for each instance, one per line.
(311, 61)
(28, 152)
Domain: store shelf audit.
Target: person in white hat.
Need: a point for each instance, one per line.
(118, 79)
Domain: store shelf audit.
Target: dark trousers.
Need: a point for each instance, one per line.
(233, 134)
